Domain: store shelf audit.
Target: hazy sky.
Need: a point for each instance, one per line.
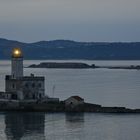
(80, 20)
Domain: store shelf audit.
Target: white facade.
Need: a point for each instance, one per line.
(17, 63)
(27, 87)
(17, 67)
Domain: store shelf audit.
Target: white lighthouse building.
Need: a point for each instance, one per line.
(17, 63)
(20, 87)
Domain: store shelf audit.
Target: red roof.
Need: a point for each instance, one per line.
(78, 98)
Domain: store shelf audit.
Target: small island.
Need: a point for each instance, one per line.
(65, 65)
(79, 65)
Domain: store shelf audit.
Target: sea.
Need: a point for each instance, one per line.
(107, 87)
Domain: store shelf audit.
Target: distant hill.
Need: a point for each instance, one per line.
(66, 49)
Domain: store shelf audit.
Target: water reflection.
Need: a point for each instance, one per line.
(74, 120)
(24, 125)
(74, 117)
(75, 126)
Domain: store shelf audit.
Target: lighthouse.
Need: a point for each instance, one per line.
(17, 63)
(20, 87)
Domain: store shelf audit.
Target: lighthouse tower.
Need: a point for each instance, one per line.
(17, 63)
(19, 87)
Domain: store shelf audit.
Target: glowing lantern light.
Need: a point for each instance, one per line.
(17, 52)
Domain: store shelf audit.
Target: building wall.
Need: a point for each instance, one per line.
(4, 95)
(73, 101)
(33, 89)
(26, 88)
(13, 85)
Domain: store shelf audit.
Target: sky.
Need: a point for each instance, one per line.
(79, 20)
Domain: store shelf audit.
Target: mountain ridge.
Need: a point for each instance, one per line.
(69, 49)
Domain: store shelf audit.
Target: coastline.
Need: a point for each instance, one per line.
(39, 106)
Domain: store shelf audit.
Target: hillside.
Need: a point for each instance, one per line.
(66, 49)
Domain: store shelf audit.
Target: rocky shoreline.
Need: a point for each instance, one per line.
(61, 107)
(78, 65)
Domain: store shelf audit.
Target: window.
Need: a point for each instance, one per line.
(40, 95)
(39, 85)
(33, 96)
(26, 85)
(33, 85)
(13, 85)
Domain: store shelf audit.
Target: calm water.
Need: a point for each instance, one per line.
(41, 126)
(102, 86)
